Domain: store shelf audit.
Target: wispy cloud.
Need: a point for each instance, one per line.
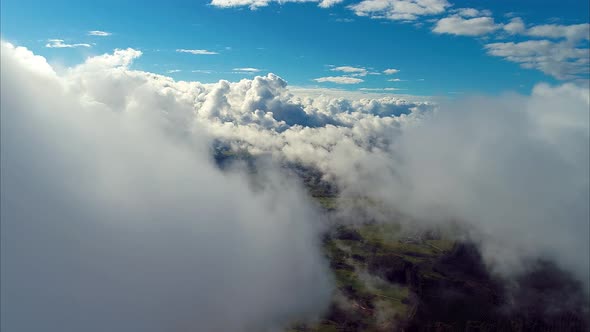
(99, 33)
(379, 89)
(395, 80)
(247, 70)
(59, 43)
(355, 71)
(339, 80)
(172, 71)
(196, 52)
(254, 4)
(201, 71)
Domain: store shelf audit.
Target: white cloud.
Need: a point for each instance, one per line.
(247, 70)
(119, 59)
(254, 4)
(390, 71)
(196, 52)
(574, 32)
(560, 60)
(329, 3)
(472, 12)
(379, 89)
(172, 71)
(99, 33)
(395, 80)
(515, 26)
(202, 71)
(399, 9)
(110, 196)
(358, 71)
(339, 80)
(59, 43)
(26, 59)
(456, 25)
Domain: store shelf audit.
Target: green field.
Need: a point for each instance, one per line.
(374, 303)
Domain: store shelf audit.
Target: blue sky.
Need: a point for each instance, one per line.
(437, 51)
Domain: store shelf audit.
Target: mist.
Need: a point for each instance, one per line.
(513, 169)
(114, 216)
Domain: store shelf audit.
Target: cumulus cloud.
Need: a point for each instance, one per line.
(254, 4)
(197, 52)
(407, 10)
(560, 60)
(457, 25)
(472, 12)
(59, 43)
(358, 71)
(515, 26)
(573, 32)
(115, 218)
(339, 79)
(99, 33)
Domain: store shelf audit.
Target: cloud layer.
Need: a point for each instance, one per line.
(114, 216)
